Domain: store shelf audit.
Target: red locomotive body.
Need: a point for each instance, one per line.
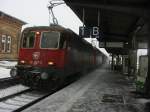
(50, 54)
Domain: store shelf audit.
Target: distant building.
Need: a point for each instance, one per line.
(10, 30)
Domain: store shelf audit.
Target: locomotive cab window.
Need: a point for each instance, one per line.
(63, 41)
(28, 40)
(50, 40)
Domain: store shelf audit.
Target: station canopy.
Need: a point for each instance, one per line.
(118, 20)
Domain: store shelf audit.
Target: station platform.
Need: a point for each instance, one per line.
(99, 91)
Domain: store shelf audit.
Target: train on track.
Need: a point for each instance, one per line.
(49, 54)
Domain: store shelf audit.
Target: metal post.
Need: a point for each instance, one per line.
(147, 82)
(83, 17)
(98, 18)
(112, 62)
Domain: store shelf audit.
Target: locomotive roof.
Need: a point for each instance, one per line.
(53, 27)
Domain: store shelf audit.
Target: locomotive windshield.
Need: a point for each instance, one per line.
(28, 40)
(50, 40)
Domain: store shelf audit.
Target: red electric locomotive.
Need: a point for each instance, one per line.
(50, 54)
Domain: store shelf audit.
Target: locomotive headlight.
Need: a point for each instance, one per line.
(50, 63)
(44, 76)
(38, 33)
(13, 72)
(22, 61)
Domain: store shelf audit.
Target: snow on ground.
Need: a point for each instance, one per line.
(7, 64)
(5, 67)
(12, 90)
(4, 72)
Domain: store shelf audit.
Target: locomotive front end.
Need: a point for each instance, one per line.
(40, 59)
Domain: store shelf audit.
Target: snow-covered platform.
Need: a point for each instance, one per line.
(100, 91)
(5, 67)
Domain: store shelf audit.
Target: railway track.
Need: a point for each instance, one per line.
(7, 82)
(8, 79)
(19, 101)
(5, 79)
(21, 97)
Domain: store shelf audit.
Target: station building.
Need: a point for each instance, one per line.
(10, 30)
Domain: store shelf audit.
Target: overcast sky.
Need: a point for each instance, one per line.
(35, 13)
